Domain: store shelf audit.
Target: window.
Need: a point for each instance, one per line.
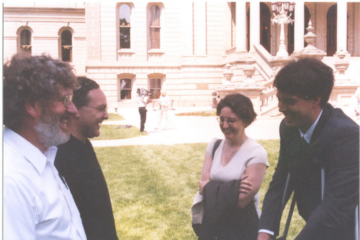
(66, 46)
(155, 88)
(125, 85)
(25, 41)
(124, 26)
(154, 27)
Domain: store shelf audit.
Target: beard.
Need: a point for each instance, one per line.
(49, 131)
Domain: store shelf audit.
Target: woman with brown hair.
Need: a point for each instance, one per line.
(226, 205)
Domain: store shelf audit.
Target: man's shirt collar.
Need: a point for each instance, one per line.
(29, 151)
(307, 136)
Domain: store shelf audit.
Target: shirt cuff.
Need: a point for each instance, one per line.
(267, 231)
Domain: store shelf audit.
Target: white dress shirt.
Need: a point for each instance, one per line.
(142, 100)
(37, 203)
(307, 136)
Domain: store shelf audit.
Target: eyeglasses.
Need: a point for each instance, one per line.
(228, 120)
(102, 109)
(66, 99)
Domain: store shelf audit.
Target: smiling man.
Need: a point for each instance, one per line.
(313, 136)
(37, 104)
(77, 162)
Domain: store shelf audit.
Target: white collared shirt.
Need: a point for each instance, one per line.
(142, 101)
(307, 136)
(37, 203)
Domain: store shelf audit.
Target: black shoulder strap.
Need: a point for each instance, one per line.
(216, 145)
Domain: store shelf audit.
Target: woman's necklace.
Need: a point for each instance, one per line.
(232, 152)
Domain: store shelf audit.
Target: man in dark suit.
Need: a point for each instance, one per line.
(314, 136)
(77, 163)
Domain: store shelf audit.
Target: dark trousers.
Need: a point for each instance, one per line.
(142, 111)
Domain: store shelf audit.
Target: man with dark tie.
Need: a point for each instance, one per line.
(315, 137)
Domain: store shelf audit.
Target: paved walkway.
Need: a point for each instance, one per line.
(186, 129)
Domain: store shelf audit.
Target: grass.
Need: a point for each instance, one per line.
(108, 132)
(115, 117)
(152, 188)
(201, 114)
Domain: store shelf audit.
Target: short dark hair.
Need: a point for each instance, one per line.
(308, 78)
(32, 79)
(240, 105)
(81, 98)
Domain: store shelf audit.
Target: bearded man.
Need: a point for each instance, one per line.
(37, 102)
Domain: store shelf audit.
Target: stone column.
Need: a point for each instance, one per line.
(187, 28)
(254, 24)
(201, 27)
(241, 26)
(341, 26)
(299, 26)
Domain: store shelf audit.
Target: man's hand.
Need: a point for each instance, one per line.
(264, 236)
(202, 183)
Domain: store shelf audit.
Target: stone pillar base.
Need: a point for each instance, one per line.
(340, 96)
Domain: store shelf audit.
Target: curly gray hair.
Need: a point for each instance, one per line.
(32, 79)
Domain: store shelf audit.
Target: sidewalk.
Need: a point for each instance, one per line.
(185, 129)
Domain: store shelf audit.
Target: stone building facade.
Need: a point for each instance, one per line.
(179, 46)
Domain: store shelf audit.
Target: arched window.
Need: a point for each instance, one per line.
(125, 26)
(25, 41)
(66, 46)
(125, 88)
(154, 27)
(155, 88)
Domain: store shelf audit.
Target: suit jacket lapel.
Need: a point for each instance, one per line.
(321, 123)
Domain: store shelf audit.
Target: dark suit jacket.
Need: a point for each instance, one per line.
(334, 145)
(77, 162)
(223, 219)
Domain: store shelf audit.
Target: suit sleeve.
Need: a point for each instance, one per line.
(335, 214)
(271, 210)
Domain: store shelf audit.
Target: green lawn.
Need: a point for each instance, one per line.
(152, 188)
(116, 132)
(115, 117)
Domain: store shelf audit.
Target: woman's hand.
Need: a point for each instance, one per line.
(245, 186)
(203, 182)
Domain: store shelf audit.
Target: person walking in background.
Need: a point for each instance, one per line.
(37, 95)
(315, 138)
(164, 102)
(77, 162)
(226, 205)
